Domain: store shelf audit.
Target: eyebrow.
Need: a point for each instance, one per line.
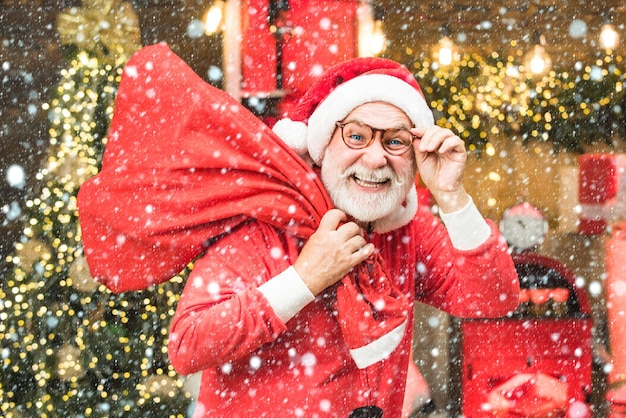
(399, 126)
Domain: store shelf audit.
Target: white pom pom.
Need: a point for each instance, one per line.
(293, 133)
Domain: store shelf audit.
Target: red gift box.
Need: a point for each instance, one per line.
(601, 191)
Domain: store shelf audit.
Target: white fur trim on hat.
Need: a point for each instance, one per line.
(355, 92)
(292, 133)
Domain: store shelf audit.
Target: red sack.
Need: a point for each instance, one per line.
(184, 163)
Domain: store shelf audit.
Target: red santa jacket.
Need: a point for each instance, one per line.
(253, 364)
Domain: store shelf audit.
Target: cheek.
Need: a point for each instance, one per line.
(405, 169)
(339, 156)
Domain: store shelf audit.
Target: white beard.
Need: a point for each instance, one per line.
(365, 207)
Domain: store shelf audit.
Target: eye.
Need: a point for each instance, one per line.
(355, 137)
(397, 139)
(394, 142)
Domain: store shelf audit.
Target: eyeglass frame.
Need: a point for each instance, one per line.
(341, 125)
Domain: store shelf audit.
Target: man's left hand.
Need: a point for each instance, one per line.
(441, 158)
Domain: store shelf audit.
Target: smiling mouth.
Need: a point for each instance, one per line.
(370, 184)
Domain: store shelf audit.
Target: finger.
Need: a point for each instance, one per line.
(451, 145)
(433, 138)
(350, 229)
(424, 136)
(355, 243)
(331, 220)
(363, 253)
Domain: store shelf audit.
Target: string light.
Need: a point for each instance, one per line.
(60, 330)
(487, 99)
(371, 33)
(213, 18)
(446, 52)
(609, 38)
(537, 61)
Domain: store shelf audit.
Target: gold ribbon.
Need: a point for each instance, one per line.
(109, 29)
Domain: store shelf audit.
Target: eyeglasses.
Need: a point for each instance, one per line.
(356, 135)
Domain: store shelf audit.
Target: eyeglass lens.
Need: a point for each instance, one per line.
(359, 135)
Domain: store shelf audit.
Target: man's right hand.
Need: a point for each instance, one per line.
(332, 251)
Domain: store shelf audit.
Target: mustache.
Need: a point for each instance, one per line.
(379, 175)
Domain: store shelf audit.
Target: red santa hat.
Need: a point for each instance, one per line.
(342, 88)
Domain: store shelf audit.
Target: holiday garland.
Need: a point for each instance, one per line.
(490, 99)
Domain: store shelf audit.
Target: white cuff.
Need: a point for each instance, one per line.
(287, 293)
(380, 349)
(467, 227)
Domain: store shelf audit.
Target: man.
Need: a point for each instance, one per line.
(281, 322)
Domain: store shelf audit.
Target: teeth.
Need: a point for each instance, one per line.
(369, 183)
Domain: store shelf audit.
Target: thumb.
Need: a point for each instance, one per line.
(331, 220)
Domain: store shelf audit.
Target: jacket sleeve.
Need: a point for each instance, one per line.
(477, 283)
(222, 315)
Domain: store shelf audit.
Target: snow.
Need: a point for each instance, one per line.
(16, 176)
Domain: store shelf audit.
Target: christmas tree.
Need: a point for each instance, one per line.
(70, 347)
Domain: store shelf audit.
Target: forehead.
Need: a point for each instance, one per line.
(379, 114)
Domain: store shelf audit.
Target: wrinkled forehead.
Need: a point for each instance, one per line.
(380, 115)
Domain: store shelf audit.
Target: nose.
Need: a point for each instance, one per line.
(375, 155)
